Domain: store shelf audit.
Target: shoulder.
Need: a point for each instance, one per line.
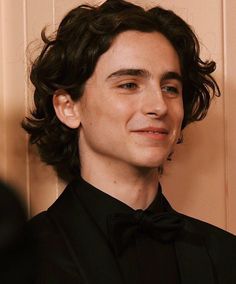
(40, 227)
(55, 264)
(43, 224)
(209, 231)
(43, 232)
(46, 237)
(220, 244)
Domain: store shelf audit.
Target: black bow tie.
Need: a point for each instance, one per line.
(123, 227)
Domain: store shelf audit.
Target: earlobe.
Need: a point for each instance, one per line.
(66, 109)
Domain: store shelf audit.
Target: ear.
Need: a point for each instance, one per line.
(66, 109)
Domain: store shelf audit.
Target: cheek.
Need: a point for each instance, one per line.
(117, 111)
(177, 113)
(105, 116)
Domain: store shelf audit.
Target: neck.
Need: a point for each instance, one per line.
(133, 186)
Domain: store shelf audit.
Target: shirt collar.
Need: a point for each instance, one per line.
(99, 204)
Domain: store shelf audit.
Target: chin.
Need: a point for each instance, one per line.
(151, 163)
(154, 160)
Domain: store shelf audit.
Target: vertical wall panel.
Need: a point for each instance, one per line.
(2, 112)
(42, 180)
(13, 90)
(230, 108)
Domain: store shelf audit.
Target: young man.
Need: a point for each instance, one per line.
(113, 90)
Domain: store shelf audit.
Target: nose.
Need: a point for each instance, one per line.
(154, 103)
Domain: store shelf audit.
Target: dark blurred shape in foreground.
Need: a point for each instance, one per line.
(17, 258)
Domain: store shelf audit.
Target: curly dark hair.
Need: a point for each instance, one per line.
(69, 58)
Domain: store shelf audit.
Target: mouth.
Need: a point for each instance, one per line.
(153, 132)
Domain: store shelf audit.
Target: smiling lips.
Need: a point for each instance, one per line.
(153, 132)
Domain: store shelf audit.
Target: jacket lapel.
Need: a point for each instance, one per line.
(93, 259)
(195, 265)
(194, 262)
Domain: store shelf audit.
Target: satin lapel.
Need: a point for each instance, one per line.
(87, 246)
(194, 262)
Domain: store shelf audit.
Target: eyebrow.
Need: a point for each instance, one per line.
(145, 74)
(172, 76)
(130, 72)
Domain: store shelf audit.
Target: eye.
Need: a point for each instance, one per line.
(128, 86)
(171, 90)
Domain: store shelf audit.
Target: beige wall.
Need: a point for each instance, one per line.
(199, 182)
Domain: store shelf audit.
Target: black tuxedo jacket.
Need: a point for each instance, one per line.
(72, 249)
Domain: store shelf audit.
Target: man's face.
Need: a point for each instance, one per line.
(132, 109)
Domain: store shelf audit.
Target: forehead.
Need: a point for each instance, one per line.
(133, 49)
